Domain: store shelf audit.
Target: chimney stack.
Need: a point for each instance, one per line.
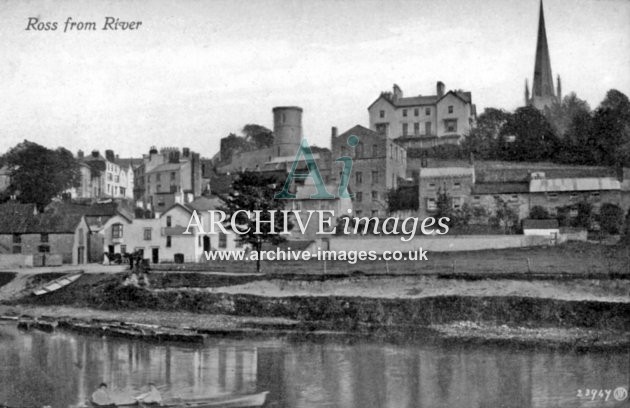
(95, 153)
(109, 155)
(440, 89)
(80, 154)
(186, 152)
(333, 132)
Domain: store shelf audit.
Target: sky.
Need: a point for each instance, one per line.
(196, 71)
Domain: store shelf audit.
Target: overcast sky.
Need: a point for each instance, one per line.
(198, 70)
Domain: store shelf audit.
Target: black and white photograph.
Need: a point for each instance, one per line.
(314, 203)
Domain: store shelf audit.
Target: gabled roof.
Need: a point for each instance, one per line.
(205, 203)
(540, 224)
(420, 100)
(18, 218)
(500, 188)
(447, 172)
(172, 207)
(166, 167)
(359, 131)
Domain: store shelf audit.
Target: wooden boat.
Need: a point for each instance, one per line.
(230, 401)
(57, 284)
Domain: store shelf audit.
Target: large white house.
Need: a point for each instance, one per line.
(423, 120)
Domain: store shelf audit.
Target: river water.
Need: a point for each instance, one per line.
(62, 369)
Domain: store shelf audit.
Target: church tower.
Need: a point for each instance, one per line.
(543, 94)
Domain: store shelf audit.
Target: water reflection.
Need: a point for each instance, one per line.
(62, 369)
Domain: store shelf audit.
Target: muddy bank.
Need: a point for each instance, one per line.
(346, 312)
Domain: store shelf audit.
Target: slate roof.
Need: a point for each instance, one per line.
(166, 167)
(500, 188)
(574, 184)
(17, 218)
(540, 224)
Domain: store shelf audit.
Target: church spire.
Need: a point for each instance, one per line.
(542, 87)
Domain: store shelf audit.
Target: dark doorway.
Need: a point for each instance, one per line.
(206, 243)
(110, 249)
(155, 255)
(179, 258)
(81, 255)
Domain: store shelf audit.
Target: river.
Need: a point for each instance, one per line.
(61, 370)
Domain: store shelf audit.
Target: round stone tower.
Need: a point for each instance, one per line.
(287, 130)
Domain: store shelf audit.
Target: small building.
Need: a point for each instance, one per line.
(457, 182)
(549, 228)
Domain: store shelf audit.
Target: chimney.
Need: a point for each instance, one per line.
(80, 154)
(398, 93)
(152, 151)
(95, 153)
(109, 155)
(186, 152)
(440, 89)
(333, 132)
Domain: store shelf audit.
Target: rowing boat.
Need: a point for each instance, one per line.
(57, 284)
(230, 401)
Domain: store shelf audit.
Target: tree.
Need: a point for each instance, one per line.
(250, 192)
(483, 139)
(611, 129)
(539, 213)
(402, 198)
(528, 136)
(259, 135)
(560, 115)
(443, 204)
(611, 218)
(578, 143)
(504, 216)
(39, 174)
(584, 217)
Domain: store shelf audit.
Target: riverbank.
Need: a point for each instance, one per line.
(574, 314)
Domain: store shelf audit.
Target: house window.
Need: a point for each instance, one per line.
(375, 150)
(168, 241)
(431, 205)
(416, 128)
(457, 203)
(359, 177)
(595, 195)
(123, 249)
(477, 198)
(427, 128)
(381, 128)
(168, 221)
(17, 249)
(404, 113)
(432, 185)
(427, 111)
(375, 177)
(359, 196)
(160, 202)
(147, 234)
(416, 112)
(157, 177)
(222, 240)
(457, 185)
(43, 238)
(374, 213)
(374, 195)
(450, 109)
(514, 197)
(43, 249)
(381, 114)
(405, 129)
(451, 125)
(117, 231)
(17, 239)
(172, 176)
(553, 196)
